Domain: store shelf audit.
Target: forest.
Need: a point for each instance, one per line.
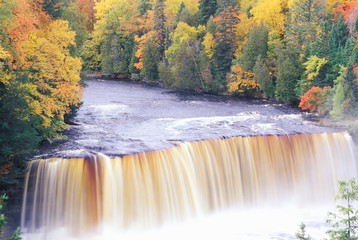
(298, 51)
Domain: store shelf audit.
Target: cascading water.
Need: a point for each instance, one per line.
(144, 190)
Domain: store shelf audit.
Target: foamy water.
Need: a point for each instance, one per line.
(255, 224)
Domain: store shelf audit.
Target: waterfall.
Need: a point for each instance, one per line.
(191, 179)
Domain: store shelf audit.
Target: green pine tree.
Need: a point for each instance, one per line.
(144, 6)
(304, 22)
(345, 219)
(55, 7)
(225, 37)
(151, 58)
(159, 27)
(288, 73)
(207, 8)
(301, 234)
(256, 45)
(263, 78)
(18, 137)
(186, 70)
(187, 17)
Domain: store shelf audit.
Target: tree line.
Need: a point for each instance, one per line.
(302, 51)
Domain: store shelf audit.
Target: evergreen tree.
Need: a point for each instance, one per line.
(263, 78)
(288, 73)
(186, 71)
(338, 36)
(151, 58)
(77, 22)
(113, 60)
(337, 50)
(225, 37)
(207, 8)
(159, 27)
(187, 17)
(55, 7)
(304, 22)
(144, 6)
(301, 234)
(211, 26)
(222, 5)
(352, 80)
(256, 45)
(181, 8)
(345, 219)
(18, 137)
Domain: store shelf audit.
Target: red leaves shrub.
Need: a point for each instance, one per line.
(314, 100)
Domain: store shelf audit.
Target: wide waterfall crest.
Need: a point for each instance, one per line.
(192, 179)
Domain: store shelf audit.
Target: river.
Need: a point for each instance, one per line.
(122, 117)
(119, 118)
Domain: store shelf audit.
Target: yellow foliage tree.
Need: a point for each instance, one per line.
(54, 75)
(246, 4)
(145, 25)
(241, 82)
(173, 6)
(209, 45)
(3, 54)
(271, 12)
(183, 32)
(242, 30)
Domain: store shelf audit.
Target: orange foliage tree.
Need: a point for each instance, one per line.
(23, 22)
(315, 100)
(86, 7)
(350, 13)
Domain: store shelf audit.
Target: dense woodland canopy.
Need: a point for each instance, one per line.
(300, 51)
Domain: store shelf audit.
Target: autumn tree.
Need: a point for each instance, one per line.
(241, 82)
(39, 82)
(54, 79)
(349, 10)
(315, 100)
(272, 13)
(86, 7)
(314, 75)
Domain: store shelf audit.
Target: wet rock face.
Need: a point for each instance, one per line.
(119, 118)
